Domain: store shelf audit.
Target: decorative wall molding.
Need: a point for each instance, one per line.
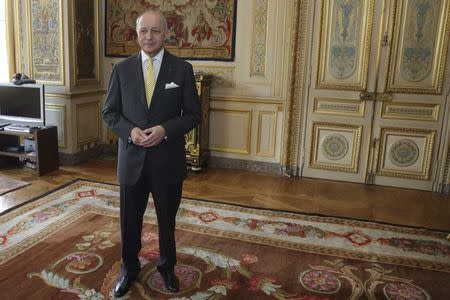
(267, 128)
(253, 100)
(76, 95)
(258, 60)
(222, 76)
(85, 42)
(55, 114)
(87, 122)
(231, 122)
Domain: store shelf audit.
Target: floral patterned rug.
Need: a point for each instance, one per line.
(66, 245)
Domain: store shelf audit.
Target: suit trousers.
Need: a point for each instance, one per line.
(133, 202)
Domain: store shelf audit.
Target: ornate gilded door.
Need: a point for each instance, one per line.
(375, 102)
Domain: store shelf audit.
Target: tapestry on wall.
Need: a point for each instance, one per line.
(46, 41)
(198, 30)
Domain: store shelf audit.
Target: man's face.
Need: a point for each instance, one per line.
(151, 33)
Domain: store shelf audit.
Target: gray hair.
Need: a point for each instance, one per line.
(156, 12)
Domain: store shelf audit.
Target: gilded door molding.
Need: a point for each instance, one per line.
(419, 46)
(339, 107)
(405, 152)
(45, 37)
(344, 45)
(445, 176)
(295, 105)
(411, 111)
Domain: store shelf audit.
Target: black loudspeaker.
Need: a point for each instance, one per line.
(19, 79)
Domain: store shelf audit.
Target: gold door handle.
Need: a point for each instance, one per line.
(368, 96)
(373, 96)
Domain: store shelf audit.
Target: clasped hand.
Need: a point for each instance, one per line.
(148, 137)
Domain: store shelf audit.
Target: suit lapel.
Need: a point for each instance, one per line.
(140, 79)
(165, 74)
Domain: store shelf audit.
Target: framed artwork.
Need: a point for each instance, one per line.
(198, 30)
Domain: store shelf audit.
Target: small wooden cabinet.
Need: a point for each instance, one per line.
(43, 141)
(197, 139)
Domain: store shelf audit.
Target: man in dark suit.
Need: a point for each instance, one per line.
(152, 102)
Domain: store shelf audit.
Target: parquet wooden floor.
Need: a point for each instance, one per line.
(331, 198)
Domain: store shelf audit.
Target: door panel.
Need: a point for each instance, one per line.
(345, 31)
(375, 111)
(335, 147)
(405, 153)
(419, 47)
(338, 122)
(408, 127)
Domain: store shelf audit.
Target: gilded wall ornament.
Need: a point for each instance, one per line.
(404, 153)
(334, 146)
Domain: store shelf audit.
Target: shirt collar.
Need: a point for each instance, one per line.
(157, 57)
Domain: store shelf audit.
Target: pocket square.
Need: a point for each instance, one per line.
(171, 85)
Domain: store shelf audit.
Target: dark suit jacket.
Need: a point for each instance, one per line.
(178, 110)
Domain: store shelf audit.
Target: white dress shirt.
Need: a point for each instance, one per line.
(157, 60)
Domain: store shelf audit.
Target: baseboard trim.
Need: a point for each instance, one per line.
(248, 165)
(290, 171)
(445, 189)
(82, 156)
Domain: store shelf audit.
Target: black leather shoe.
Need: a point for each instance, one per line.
(123, 285)
(170, 281)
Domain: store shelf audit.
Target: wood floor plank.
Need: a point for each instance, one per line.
(313, 196)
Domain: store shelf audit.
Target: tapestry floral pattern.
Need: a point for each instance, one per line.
(212, 273)
(324, 279)
(197, 29)
(79, 262)
(255, 222)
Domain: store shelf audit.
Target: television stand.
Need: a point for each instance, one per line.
(19, 128)
(44, 143)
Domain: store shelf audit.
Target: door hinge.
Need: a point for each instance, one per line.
(370, 178)
(375, 142)
(385, 41)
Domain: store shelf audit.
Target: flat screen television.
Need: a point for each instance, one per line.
(22, 104)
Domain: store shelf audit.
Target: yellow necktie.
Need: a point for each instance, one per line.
(149, 80)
